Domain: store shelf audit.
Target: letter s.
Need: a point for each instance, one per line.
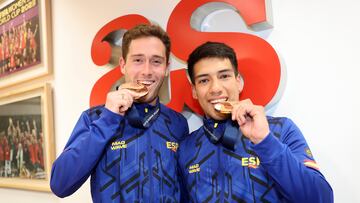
(258, 61)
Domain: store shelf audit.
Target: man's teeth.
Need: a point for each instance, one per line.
(217, 101)
(146, 82)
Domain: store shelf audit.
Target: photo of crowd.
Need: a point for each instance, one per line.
(21, 147)
(19, 46)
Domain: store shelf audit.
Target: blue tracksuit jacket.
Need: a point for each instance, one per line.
(126, 164)
(281, 168)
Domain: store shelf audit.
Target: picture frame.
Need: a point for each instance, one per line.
(25, 41)
(27, 148)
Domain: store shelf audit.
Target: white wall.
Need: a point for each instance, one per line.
(317, 40)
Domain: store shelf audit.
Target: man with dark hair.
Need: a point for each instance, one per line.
(240, 154)
(129, 145)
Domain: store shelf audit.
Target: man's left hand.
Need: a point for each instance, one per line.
(251, 119)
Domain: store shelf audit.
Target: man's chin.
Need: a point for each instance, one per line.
(219, 116)
(147, 99)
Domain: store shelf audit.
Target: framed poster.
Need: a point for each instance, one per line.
(25, 45)
(26, 138)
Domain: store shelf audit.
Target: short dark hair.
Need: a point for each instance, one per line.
(211, 50)
(144, 30)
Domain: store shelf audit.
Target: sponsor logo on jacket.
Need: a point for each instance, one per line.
(194, 168)
(118, 145)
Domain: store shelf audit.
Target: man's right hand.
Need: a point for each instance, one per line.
(119, 101)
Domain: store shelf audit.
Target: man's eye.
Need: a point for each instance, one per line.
(203, 81)
(137, 60)
(157, 62)
(225, 76)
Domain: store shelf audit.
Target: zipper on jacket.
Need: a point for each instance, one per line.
(221, 174)
(150, 166)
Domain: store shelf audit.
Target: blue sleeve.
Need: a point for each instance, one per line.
(82, 152)
(285, 161)
(185, 129)
(184, 194)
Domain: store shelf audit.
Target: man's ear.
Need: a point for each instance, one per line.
(194, 95)
(122, 65)
(240, 82)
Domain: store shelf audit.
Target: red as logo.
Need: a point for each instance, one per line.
(258, 61)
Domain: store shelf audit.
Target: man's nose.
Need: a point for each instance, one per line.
(215, 87)
(146, 69)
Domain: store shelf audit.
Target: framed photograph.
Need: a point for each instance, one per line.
(26, 138)
(25, 45)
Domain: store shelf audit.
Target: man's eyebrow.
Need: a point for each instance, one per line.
(201, 75)
(157, 56)
(142, 55)
(220, 71)
(136, 55)
(225, 70)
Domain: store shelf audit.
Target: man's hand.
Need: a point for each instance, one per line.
(119, 101)
(251, 119)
